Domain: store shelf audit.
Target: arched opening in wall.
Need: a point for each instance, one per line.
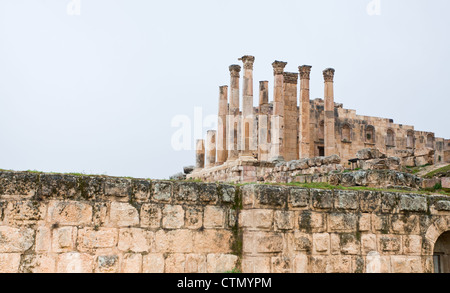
(430, 141)
(390, 138)
(346, 133)
(370, 134)
(441, 254)
(321, 132)
(410, 140)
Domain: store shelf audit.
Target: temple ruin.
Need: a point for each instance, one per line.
(254, 144)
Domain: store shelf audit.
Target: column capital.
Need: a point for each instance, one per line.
(278, 67)
(248, 61)
(290, 77)
(328, 74)
(234, 70)
(305, 71)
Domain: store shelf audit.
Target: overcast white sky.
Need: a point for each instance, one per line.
(96, 92)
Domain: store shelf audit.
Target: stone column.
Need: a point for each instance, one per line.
(233, 114)
(263, 121)
(305, 108)
(210, 148)
(290, 140)
(247, 106)
(222, 152)
(329, 135)
(277, 122)
(200, 154)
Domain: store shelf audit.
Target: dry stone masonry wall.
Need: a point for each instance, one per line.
(64, 223)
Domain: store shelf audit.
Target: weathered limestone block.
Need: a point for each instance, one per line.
(63, 239)
(220, 263)
(430, 183)
(300, 264)
(390, 202)
(118, 187)
(72, 213)
(445, 182)
(413, 203)
(261, 242)
(406, 264)
(123, 214)
(412, 244)
(302, 241)
(25, 212)
(389, 243)
(365, 223)
(74, 262)
(369, 154)
(19, 185)
(342, 222)
(380, 223)
(100, 213)
(151, 216)
(175, 263)
(442, 205)
(179, 241)
(338, 264)
(186, 191)
(37, 264)
(228, 193)
(256, 219)
(162, 191)
(405, 224)
(43, 239)
(368, 243)
(131, 263)
(284, 220)
(153, 263)
(349, 243)
(136, 240)
(264, 195)
(214, 217)
(309, 221)
(107, 264)
(141, 189)
(346, 200)
(259, 264)
(195, 263)
(194, 217)
(58, 186)
(9, 263)
(299, 197)
(15, 239)
(281, 265)
(321, 243)
(322, 199)
(173, 217)
(90, 239)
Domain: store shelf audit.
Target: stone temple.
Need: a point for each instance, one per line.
(291, 136)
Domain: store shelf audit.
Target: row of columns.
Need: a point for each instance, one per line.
(276, 137)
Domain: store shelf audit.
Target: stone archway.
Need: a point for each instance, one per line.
(441, 254)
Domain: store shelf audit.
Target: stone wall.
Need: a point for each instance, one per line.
(64, 223)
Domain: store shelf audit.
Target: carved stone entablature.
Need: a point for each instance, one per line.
(278, 67)
(290, 77)
(305, 71)
(328, 74)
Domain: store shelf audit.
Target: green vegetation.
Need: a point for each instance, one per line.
(234, 271)
(443, 170)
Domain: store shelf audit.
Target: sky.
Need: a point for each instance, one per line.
(95, 88)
